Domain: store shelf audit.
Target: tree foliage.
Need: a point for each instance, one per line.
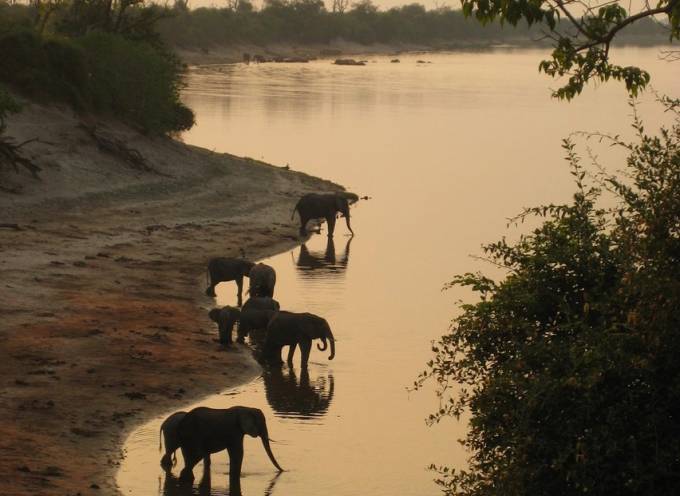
(569, 365)
(97, 55)
(582, 33)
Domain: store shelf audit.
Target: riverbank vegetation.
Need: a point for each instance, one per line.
(309, 21)
(568, 365)
(102, 57)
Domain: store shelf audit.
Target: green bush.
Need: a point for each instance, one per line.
(135, 81)
(569, 366)
(102, 72)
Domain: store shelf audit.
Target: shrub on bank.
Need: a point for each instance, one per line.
(100, 72)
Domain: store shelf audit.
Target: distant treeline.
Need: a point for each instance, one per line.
(309, 21)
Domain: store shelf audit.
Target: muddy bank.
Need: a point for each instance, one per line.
(103, 318)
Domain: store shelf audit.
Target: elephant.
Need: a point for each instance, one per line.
(228, 269)
(168, 431)
(305, 398)
(255, 315)
(225, 318)
(296, 329)
(322, 206)
(262, 280)
(311, 264)
(205, 430)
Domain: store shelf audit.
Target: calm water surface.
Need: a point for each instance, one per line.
(447, 151)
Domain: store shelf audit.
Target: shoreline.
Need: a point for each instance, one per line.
(104, 319)
(232, 54)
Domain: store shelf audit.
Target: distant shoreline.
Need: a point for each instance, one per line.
(233, 53)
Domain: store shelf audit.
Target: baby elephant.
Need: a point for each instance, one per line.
(225, 318)
(262, 280)
(296, 329)
(171, 439)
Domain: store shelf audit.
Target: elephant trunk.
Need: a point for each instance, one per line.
(268, 449)
(325, 345)
(347, 220)
(332, 340)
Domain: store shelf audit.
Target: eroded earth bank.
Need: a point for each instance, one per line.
(102, 274)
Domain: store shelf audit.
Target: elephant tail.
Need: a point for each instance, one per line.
(297, 205)
(160, 439)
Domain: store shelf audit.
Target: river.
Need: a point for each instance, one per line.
(447, 151)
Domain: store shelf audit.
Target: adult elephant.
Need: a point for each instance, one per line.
(322, 206)
(228, 269)
(204, 430)
(296, 329)
(225, 318)
(255, 315)
(262, 280)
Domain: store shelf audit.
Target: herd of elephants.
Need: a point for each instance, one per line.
(204, 431)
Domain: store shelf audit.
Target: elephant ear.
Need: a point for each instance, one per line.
(248, 422)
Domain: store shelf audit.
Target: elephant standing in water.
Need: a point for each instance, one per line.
(323, 206)
(255, 315)
(262, 280)
(225, 318)
(204, 430)
(228, 269)
(296, 329)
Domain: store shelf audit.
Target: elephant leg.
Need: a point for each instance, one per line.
(206, 461)
(225, 334)
(235, 461)
(291, 352)
(190, 460)
(166, 461)
(305, 348)
(303, 225)
(239, 285)
(331, 225)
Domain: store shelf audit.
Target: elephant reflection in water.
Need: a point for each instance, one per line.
(172, 486)
(287, 396)
(313, 263)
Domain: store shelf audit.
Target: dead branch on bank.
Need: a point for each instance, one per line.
(11, 156)
(116, 147)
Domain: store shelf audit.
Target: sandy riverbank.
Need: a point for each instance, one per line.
(103, 318)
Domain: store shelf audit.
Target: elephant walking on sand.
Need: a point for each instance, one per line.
(204, 430)
(323, 206)
(228, 269)
(262, 280)
(296, 329)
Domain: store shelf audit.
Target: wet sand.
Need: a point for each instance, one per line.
(103, 317)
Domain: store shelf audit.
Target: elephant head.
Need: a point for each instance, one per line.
(342, 206)
(253, 423)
